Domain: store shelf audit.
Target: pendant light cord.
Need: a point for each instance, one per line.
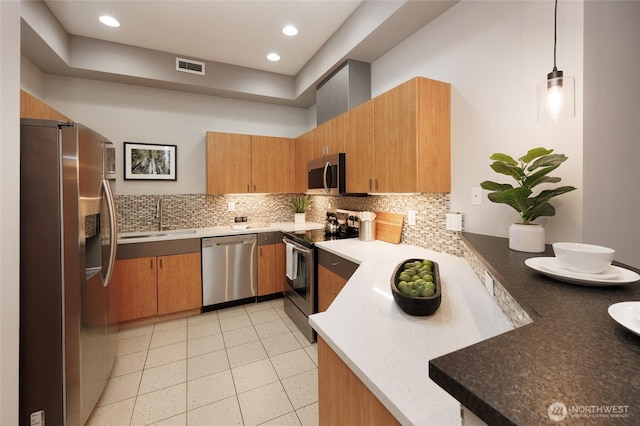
(555, 34)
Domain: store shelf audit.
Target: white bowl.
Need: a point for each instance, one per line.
(585, 258)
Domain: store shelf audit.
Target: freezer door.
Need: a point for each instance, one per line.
(97, 239)
(47, 262)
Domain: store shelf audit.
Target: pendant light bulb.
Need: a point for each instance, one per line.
(556, 95)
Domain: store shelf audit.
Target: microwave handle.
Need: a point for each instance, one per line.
(324, 177)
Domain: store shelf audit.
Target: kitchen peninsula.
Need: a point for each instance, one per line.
(573, 353)
(389, 350)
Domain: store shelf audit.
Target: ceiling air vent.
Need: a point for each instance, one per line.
(188, 65)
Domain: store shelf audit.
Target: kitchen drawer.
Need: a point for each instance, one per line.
(158, 248)
(266, 238)
(336, 264)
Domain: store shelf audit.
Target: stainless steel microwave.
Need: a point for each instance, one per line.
(326, 175)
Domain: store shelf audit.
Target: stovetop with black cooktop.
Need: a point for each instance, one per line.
(309, 238)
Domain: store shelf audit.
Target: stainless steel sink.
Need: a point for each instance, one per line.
(156, 234)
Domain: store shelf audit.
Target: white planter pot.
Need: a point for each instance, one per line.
(299, 217)
(528, 238)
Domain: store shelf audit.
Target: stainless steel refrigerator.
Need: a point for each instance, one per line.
(68, 236)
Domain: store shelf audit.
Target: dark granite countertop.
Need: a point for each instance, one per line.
(573, 353)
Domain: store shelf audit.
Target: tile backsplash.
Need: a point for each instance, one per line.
(137, 213)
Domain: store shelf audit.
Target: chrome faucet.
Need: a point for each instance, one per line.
(160, 215)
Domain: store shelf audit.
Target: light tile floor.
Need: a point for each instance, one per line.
(246, 365)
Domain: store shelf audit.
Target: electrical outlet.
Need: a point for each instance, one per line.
(412, 217)
(488, 282)
(454, 221)
(231, 206)
(476, 196)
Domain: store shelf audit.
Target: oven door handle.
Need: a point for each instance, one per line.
(297, 246)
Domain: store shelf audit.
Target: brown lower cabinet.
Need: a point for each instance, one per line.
(342, 397)
(271, 263)
(179, 283)
(281, 264)
(153, 285)
(135, 284)
(333, 273)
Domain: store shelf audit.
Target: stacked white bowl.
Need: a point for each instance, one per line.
(583, 258)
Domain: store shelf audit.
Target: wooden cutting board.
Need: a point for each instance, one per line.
(389, 227)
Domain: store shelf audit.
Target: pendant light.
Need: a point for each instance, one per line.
(556, 95)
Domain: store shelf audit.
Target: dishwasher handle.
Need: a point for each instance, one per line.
(231, 243)
(224, 242)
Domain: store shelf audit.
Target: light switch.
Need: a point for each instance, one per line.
(231, 206)
(476, 196)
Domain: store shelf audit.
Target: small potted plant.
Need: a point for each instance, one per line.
(529, 171)
(300, 204)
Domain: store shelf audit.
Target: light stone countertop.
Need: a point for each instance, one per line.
(216, 231)
(389, 350)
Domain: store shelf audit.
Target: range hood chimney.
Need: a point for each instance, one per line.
(344, 89)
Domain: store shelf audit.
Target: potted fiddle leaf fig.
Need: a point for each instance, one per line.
(528, 171)
(300, 204)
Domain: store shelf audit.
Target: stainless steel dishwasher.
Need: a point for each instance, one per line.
(229, 270)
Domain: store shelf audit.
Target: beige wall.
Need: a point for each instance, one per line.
(9, 209)
(612, 128)
(139, 114)
(495, 54)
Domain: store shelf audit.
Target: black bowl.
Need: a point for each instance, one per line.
(420, 306)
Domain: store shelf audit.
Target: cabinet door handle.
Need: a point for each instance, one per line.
(160, 263)
(376, 184)
(248, 188)
(254, 188)
(370, 184)
(151, 263)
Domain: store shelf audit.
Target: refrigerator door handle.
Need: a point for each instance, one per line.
(113, 231)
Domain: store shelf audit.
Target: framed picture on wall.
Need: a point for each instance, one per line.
(147, 161)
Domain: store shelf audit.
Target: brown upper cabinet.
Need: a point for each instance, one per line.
(301, 157)
(399, 141)
(238, 163)
(329, 138)
(359, 149)
(32, 107)
(412, 138)
(326, 139)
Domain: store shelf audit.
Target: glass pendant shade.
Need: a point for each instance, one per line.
(556, 97)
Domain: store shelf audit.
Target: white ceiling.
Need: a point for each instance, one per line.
(232, 32)
(232, 37)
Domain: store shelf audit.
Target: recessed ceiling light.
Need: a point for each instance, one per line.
(273, 57)
(290, 30)
(109, 21)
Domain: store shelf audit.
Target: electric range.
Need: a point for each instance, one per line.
(301, 293)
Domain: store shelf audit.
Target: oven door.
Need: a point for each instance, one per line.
(300, 277)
